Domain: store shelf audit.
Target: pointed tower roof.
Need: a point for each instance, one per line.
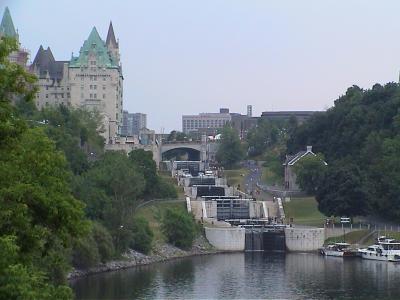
(94, 45)
(111, 36)
(7, 26)
(45, 64)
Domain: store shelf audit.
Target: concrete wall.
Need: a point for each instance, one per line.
(227, 239)
(304, 239)
(211, 208)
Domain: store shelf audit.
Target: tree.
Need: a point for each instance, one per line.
(39, 217)
(342, 191)
(179, 228)
(145, 163)
(310, 171)
(142, 235)
(23, 281)
(230, 151)
(262, 137)
(119, 183)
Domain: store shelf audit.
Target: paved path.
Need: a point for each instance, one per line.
(252, 180)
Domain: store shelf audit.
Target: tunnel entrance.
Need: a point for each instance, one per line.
(181, 154)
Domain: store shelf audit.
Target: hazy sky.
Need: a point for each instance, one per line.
(186, 57)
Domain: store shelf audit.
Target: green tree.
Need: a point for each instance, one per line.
(119, 183)
(24, 281)
(310, 171)
(179, 228)
(147, 166)
(39, 217)
(142, 235)
(230, 150)
(342, 191)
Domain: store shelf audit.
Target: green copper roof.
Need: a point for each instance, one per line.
(7, 26)
(94, 45)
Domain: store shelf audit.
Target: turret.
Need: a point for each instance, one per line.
(112, 44)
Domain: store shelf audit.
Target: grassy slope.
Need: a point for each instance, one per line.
(153, 213)
(304, 211)
(351, 237)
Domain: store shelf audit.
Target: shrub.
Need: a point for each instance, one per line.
(179, 228)
(142, 235)
(104, 242)
(85, 253)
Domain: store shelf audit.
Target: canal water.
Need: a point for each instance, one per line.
(248, 276)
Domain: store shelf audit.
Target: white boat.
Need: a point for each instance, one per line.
(385, 250)
(339, 250)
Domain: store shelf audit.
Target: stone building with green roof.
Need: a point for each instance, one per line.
(92, 79)
(7, 29)
(96, 80)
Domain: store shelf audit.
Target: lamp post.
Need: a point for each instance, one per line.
(344, 220)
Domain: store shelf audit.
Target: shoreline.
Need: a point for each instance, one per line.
(161, 253)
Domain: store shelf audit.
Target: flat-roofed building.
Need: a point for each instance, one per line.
(301, 116)
(207, 123)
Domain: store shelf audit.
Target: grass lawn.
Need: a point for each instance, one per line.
(234, 177)
(153, 213)
(352, 237)
(304, 211)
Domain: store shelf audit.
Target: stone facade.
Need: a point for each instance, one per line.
(54, 88)
(92, 80)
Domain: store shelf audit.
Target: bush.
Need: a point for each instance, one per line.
(85, 253)
(94, 248)
(142, 235)
(104, 242)
(179, 228)
(165, 189)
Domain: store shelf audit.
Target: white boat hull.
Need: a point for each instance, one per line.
(376, 256)
(333, 253)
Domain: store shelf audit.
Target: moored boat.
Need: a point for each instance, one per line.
(339, 250)
(386, 249)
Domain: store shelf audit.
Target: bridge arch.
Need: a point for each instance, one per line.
(193, 151)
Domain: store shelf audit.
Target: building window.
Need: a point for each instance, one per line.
(104, 87)
(91, 96)
(82, 78)
(81, 86)
(95, 87)
(95, 96)
(47, 95)
(94, 78)
(62, 95)
(47, 88)
(90, 86)
(104, 78)
(68, 95)
(104, 96)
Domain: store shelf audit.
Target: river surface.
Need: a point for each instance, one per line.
(248, 276)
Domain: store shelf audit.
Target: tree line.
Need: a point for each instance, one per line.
(359, 137)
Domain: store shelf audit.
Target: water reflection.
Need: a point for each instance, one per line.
(248, 275)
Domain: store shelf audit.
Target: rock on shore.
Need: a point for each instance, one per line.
(161, 252)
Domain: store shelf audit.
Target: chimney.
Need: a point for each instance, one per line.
(309, 148)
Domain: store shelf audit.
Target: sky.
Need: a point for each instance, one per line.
(186, 57)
